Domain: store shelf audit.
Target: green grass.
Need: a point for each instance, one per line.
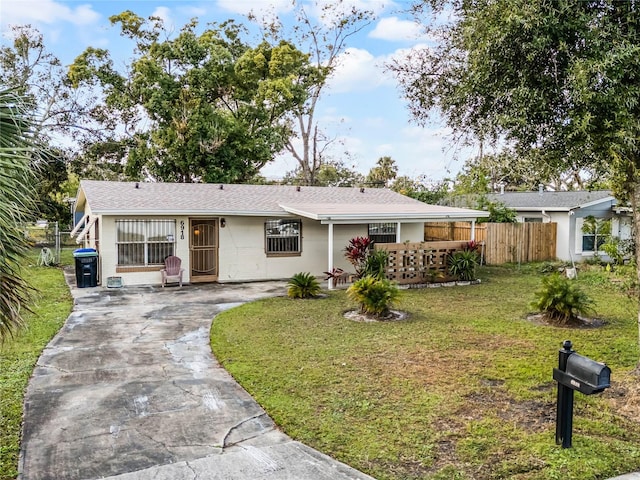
(463, 389)
(52, 304)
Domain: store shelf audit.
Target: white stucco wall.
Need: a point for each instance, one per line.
(109, 254)
(242, 254)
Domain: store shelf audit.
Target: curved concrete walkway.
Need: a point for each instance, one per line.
(128, 389)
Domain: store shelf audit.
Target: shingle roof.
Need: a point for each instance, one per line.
(262, 200)
(550, 200)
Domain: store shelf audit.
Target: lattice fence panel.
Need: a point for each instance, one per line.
(419, 262)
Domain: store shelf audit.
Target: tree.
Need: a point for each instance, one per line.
(40, 78)
(384, 171)
(16, 194)
(555, 78)
(325, 40)
(506, 169)
(199, 107)
(330, 174)
(421, 189)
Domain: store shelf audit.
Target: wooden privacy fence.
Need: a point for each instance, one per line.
(453, 231)
(419, 262)
(520, 242)
(503, 242)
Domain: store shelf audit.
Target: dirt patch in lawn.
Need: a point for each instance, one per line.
(625, 396)
(392, 316)
(578, 322)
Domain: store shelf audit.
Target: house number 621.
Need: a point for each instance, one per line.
(181, 229)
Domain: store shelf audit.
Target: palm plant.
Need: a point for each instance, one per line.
(374, 295)
(16, 198)
(560, 299)
(303, 285)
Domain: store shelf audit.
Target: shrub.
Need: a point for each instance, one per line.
(561, 299)
(375, 296)
(357, 252)
(303, 285)
(375, 264)
(462, 264)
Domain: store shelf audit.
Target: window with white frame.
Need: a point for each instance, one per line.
(283, 236)
(383, 232)
(595, 233)
(145, 242)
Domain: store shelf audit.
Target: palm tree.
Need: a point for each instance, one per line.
(16, 204)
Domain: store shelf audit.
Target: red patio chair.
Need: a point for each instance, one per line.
(172, 271)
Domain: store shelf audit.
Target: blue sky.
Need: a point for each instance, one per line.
(362, 106)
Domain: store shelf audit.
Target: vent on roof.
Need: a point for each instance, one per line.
(221, 187)
(362, 190)
(137, 185)
(298, 188)
(540, 188)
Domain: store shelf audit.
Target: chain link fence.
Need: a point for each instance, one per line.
(48, 237)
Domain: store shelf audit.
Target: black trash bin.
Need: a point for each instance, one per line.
(86, 260)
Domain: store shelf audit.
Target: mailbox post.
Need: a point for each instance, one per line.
(575, 372)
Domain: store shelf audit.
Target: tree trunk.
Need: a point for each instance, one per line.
(635, 205)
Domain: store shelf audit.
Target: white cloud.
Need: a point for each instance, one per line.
(46, 12)
(395, 29)
(359, 71)
(164, 14)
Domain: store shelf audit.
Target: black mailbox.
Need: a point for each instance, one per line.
(584, 375)
(575, 372)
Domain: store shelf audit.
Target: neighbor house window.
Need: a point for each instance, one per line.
(383, 232)
(282, 236)
(145, 242)
(595, 233)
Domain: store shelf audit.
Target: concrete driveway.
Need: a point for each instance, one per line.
(128, 389)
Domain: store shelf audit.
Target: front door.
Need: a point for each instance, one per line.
(203, 249)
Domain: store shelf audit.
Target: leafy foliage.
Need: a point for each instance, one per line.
(329, 174)
(16, 198)
(552, 81)
(216, 108)
(421, 189)
(303, 285)
(561, 299)
(39, 76)
(375, 264)
(383, 173)
(498, 212)
(357, 251)
(462, 264)
(375, 296)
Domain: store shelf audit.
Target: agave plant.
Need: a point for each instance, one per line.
(375, 265)
(462, 264)
(303, 285)
(16, 198)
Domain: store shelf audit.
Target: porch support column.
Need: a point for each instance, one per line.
(398, 233)
(330, 254)
(473, 230)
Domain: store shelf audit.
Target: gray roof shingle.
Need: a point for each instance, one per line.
(549, 200)
(193, 198)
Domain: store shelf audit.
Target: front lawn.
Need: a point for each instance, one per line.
(462, 389)
(52, 304)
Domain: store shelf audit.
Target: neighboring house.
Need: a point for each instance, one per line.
(228, 233)
(585, 219)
